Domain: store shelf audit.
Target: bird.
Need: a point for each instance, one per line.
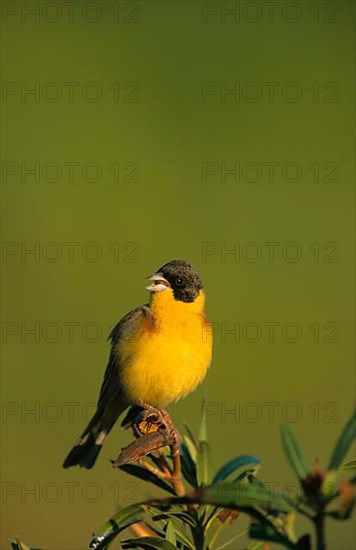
(159, 353)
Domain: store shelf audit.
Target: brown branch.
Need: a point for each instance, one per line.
(141, 447)
(176, 478)
(154, 470)
(154, 429)
(141, 530)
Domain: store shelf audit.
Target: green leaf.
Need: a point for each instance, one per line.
(148, 543)
(142, 473)
(329, 486)
(189, 469)
(293, 452)
(170, 533)
(304, 543)
(349, 466)
(255, 546)
(190, 435)
(203, 430)
(343, 443)
(203, 463)
(193, 450)
(117, 523)
(172, 508)
(267, 532)
(229, 494)
(18, 545)
(182, 516)
(233, 465)
(178, 519)
(341, 514)
(233, 539)
(185, 542)
(246, 475)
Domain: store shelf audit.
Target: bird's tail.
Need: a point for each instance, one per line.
(87, 448)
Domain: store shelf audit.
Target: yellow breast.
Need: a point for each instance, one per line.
(168, 360)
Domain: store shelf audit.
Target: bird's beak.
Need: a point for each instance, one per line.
(159, 283)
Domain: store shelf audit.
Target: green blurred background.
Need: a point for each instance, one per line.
(159, 54)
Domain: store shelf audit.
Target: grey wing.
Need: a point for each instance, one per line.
(111, 388)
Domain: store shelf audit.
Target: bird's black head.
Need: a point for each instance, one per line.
(181, 277)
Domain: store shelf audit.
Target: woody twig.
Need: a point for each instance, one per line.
(153, 431)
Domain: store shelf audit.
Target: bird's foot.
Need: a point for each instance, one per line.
(153, 429)
(170, 427)
(152, 419)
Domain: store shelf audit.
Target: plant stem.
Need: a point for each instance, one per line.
(141, 530)
(176, 479)
(319, 522)
(163, 462)
(154, 470)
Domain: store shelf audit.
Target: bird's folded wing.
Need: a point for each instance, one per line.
(127, 328)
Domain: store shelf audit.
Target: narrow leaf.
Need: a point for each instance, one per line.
(190, 435)
(343, 443)
(117, 523)
(189, 469)
(18, 545)
(170, 533)
(293, 452)
(203, 430)
(178, 519)
(341, 514)
(148, 543)
(267, 532)
(142, 473)
(193, 450)
(247, 475)
(349, 466)
(183, 516)
(255, 546)
(239, 495)
(230, 467)
(304, 543)
(233, 539)
(181, 534)
(202, 460)
(203, 463)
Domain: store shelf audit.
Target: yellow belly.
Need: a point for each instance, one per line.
(165, 364)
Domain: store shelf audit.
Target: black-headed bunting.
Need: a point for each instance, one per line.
(159, 353)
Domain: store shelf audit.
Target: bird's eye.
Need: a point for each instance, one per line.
(179, 281)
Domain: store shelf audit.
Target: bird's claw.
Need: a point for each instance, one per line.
(153, 429)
